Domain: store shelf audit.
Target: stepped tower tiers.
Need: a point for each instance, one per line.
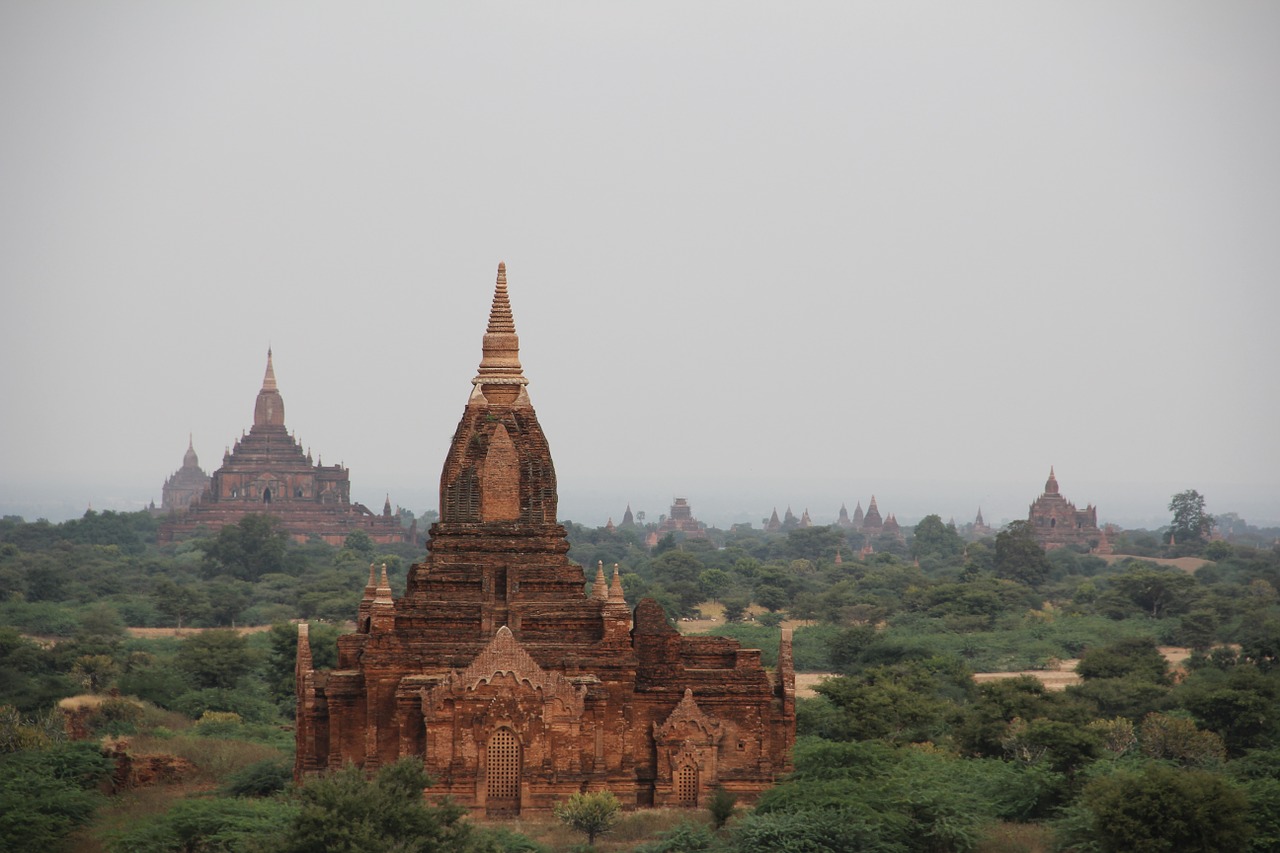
(1057, 522)
(186, 485)
(267, 471)
(516, 678)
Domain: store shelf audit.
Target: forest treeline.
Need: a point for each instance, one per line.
(903, 750)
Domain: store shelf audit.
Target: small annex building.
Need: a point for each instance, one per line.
(515, 683)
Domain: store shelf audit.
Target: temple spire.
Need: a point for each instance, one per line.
(269, 408)
(269, 380)
(500, 375)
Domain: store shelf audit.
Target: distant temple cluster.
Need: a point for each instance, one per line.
(267, 471)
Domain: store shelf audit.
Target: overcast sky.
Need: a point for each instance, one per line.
(759, 254)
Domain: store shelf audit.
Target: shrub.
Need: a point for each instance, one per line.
(260, 779)
(591, 814)
(229, 825)
(686, 837)
(722, 806)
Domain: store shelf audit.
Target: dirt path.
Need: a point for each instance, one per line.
(160, 633)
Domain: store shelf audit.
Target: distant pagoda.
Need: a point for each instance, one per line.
(185, 485)
(1058, 523)
(267, 471)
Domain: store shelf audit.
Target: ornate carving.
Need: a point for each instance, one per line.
(505, 656)
(687, 720)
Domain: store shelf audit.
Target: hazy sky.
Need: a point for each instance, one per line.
(759, 254)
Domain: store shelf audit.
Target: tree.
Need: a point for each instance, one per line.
(247, 550)
(1190, 522)
(592, 814)
(95, 672)
(1019, 556)
(1138, 657)
(181, 604)
(214, 659)
(342, 812)
(1160, 808)
(932, 536)
(713, 583)
(359, 541)
(1178, 739)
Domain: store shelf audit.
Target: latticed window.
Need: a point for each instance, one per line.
(685, 785)
(503, 771)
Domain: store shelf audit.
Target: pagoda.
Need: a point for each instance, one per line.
(185, 485)
(515, 681)
(267, 471)
(1058, 523)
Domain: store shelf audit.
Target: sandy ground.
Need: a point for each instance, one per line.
(158, 633)
(1187, 564)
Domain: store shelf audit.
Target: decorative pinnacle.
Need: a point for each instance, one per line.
(383, 593)
(600, 589)
(615, 588)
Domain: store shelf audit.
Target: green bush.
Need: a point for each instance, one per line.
(260, 779)
(1157, 808)
(47, 793)
(224, 825)
(686, 837)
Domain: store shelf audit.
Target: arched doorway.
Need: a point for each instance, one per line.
(684, 785)
(266, 496)
(502, 774)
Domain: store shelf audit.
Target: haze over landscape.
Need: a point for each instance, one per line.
(759, 255)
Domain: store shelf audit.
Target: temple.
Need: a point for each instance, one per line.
(515, 681)
(679, 522)
(1058, 523)
(185, 485)
(268, 472)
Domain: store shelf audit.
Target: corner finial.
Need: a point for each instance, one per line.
(383, 593)
(600, 589)
(615, 587)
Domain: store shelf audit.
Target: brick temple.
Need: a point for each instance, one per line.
(267, 471)
(515, 683)
(1057, 522)
(186, 485)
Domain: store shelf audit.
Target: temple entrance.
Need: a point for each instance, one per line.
(684, 785)
(266, 496)
(502, 774)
